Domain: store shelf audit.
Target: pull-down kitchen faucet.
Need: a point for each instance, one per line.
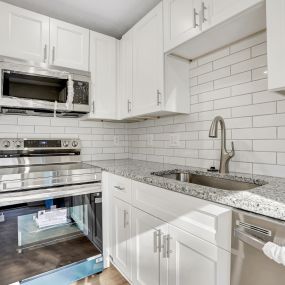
(225, 155)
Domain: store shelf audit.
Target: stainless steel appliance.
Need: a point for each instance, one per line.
(40, 89)
(249, 264)
(40, 234)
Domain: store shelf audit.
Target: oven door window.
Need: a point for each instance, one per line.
(26, 86)
(41, 236)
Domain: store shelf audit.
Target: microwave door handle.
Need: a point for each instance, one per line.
(249, 239)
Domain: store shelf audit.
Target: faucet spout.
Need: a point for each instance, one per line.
(225, 155)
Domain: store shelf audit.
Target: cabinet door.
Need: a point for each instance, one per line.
(195, 261)
(146, 232)
(275, 15)
(103, 67)
(181, 20)
(121, 236)
(69, 45)
(217, 11)
(24, 34)
(126, 75)
(148, 63)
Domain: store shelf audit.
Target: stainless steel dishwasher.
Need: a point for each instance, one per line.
(249, 265)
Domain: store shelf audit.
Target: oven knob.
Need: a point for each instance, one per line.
(65, 143)
(18, 144)
(75, 143)
(6, 144)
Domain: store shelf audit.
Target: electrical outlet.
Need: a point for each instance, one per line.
(116, 140)
(174, 140)
(149, 140)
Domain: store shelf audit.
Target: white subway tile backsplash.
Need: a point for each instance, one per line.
(94, 146)
(255, 133)
(232, 59)
(214, 56)
(269, 169)
(201, 69)
(281, 107)
(269, 120)
(254, 110)
(250, 87)
(220, 73)
(233, 80)
(259, 49)
(248, 42)
(266, 96)
(202, 88)
(259, 73)
(269, 145)
(249, 64)
(233, 101)
(201, 107)
(214, 95)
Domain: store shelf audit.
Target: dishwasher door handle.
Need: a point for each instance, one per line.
(249, 239)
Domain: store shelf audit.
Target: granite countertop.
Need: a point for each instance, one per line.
(267, 200)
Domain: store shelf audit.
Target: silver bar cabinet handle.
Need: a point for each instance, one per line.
(53, 54)
(129, 106)
(156, 241)
(195, 14)
(45, 53)
(93, 107)
(125, 218)
(166, 246)
(158, 93)
(119, 188)
(202, 16)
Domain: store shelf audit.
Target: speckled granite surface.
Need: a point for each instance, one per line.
(267, 200)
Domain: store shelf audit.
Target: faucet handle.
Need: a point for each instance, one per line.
(232, 152)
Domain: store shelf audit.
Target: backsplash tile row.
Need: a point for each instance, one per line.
(231, 82)
(100, 140)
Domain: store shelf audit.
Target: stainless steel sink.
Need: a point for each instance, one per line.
(210, 181)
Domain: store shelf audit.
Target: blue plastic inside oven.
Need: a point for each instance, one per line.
(68, 274)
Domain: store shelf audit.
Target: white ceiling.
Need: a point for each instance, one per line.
(111, 17)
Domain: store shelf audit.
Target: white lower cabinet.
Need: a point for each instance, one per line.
(195, 261)
(148, 264)
(155, 243)
(121, 236)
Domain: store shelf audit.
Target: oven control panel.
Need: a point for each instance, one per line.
(38, 144)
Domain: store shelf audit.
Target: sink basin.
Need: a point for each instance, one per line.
(211, 181)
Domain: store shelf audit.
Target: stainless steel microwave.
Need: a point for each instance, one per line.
(43, 89)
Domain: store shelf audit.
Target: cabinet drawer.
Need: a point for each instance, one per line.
(203, 219)
(120, 187)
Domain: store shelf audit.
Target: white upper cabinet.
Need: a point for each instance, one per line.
(193, 28)
(125, 83)
(148, 63)
(103, 67)
(23, 34)
(69, 45)
(181, 21)
(275, 13)
(213, 12)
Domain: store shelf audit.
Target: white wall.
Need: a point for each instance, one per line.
(230, 82)
(99, 140)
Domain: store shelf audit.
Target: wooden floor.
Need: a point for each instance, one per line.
(110, 276)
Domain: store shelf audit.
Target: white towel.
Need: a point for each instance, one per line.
(275, 252)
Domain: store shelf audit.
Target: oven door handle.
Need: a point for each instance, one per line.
(249, 239)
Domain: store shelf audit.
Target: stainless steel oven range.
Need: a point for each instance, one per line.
(50, 209)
